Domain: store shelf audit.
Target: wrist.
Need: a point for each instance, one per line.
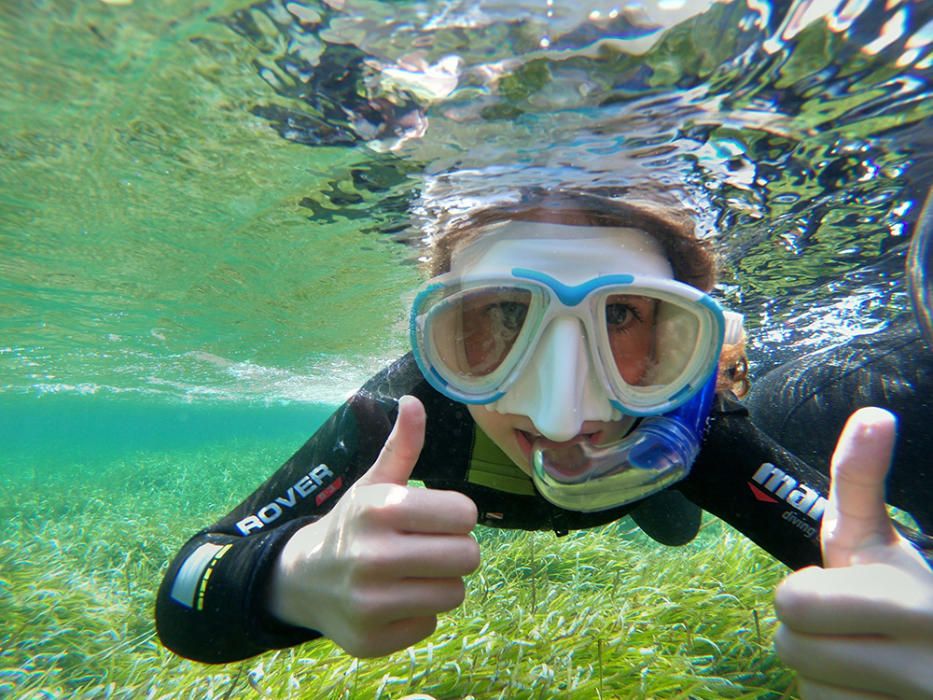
(291, 579)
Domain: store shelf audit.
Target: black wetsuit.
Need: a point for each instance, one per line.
(804, 403)
(211, 603)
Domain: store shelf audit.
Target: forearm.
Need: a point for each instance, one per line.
(211, 606)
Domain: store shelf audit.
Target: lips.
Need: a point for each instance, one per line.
(527, 441)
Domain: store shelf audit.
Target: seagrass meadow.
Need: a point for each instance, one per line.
(604, 613)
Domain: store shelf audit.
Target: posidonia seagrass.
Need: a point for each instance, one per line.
(604, 613)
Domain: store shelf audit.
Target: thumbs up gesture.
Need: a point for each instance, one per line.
(862, 627)
(373, 574)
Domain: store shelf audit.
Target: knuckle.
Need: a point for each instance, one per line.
(470, 512)
(362, 645)
(424, 627)
(370, 516)
(412, 630)
(362, 608)
(372, 650)
(389, 448)
(786, 606)
(354, 644)
(463, 511)
(369, 559)
(782, 644)
(788, 649)
(397, 449)
(378, 505)
(791, 604)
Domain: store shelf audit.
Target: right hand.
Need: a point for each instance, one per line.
(863, 626)
(373, 574)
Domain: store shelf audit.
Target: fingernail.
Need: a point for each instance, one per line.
(875, 415)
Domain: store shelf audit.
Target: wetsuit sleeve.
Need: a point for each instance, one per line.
(211, 604)
(804, 404)
(747, 479)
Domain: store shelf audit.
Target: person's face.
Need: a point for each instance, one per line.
(558, 396)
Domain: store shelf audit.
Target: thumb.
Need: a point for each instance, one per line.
(402, 448)
(856, 519)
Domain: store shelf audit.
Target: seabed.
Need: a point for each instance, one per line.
(605, 613)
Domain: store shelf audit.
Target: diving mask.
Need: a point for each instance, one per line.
(650, 340)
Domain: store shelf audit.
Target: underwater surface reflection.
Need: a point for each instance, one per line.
(184, 192)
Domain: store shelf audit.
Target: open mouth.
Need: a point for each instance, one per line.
(526, 441)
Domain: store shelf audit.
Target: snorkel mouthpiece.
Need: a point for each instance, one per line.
(660, 451)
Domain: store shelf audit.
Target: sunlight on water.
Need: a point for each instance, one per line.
(192, 200)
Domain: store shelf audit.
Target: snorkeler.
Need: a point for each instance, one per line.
(565, 359)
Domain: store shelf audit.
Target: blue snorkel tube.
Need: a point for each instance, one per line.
(659, 452)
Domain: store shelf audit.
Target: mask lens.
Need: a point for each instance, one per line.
(474, 331)
(658, 346)
(631, 327)
(655, 344)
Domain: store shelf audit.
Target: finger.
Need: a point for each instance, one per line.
(814, 690)
(856, 518)
(421, 556)
(872, 599)
(402, 448)
(868, 664)
(393, 637)
(430, 511)
(388, 602)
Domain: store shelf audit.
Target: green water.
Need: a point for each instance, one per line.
(158, 237)
(150, 226)
(189, 283)
(54, 430)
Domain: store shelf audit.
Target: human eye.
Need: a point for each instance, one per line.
(619, 316)
(625, 312)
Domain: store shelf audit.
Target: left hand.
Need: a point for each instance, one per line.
(862, 627)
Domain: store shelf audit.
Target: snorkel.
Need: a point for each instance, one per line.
(657, 453)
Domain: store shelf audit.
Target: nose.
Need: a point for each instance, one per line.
(558, 389)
